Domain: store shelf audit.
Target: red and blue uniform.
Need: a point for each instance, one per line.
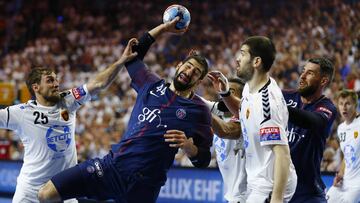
(309, 126)
(136, 167)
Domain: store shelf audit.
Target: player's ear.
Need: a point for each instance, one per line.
(256, 62)
(35, 87)
(178, 65)
(324, 81)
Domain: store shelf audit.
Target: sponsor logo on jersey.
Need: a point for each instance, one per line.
(269, 134)
(180, 113)
(149, 116)
(78, 92)
(98, 169)
(349, 155)
(356, 134)
(220, 147)
(327, 112)
(58, 138)
(65, 115)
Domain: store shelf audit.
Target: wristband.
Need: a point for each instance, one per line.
(226, 94)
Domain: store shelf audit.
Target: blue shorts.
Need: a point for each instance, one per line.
(308, 198)
(99, 179)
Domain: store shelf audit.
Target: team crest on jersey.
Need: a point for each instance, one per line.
(65, 115)
(180, 113)
(78, 92)
(247, 113)
(269, 134)
(356, 134)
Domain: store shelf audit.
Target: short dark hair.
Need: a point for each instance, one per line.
(35, 77)
(238, 81)
(262, 47)
(349, 93)
(326, 67)
(200, 59)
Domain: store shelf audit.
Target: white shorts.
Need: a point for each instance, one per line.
(26, 193)
(256, 196)
(343, 195)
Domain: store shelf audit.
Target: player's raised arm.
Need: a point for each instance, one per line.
(104, 78)
(221, 84)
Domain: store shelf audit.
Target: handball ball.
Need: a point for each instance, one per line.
(177, 10)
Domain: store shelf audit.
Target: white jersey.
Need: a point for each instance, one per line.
(231, 161)
(264, 118)
(349, 138)
(47, 134)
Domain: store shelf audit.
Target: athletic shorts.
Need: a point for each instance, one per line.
(99, 179)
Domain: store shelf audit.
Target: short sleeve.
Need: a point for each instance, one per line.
(74, 98)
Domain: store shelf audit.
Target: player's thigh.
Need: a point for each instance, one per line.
(90, 179)
(256, 197)
(25, 193)
(149, 193)
(334, 195)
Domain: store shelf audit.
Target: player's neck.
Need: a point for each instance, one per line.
(186, 94)
(351, 119)
(311, 98)
(42, 101)
(258, 81)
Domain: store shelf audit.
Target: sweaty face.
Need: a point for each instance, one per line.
(347, 108)
(49, 88)
(187, 75)
(310, 79)
(244, 68)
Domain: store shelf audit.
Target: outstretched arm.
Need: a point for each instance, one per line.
(103, 79)
(226, 130)
(149, 38)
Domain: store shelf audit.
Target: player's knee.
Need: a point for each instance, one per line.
(48, 193)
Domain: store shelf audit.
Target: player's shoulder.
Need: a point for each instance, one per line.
(289, 92)
(200, 103)
(325, 104)
(29, 105)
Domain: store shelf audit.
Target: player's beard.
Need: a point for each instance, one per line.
(180, 86)
(245, 73)
(52, 98)
(308, 90)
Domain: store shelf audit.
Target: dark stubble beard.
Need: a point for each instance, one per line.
(307, 91)
(53, 99)
(180, 86)
(246, 74)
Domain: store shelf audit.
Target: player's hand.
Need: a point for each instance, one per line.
(128, 53)
(338, 180)
(219, 81)
(175, 138)
(170, 27)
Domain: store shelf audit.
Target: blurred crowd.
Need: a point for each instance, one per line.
(80, 37)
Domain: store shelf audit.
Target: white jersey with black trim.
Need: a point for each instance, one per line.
(264, 118)
(47, 134)
(348, 135)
